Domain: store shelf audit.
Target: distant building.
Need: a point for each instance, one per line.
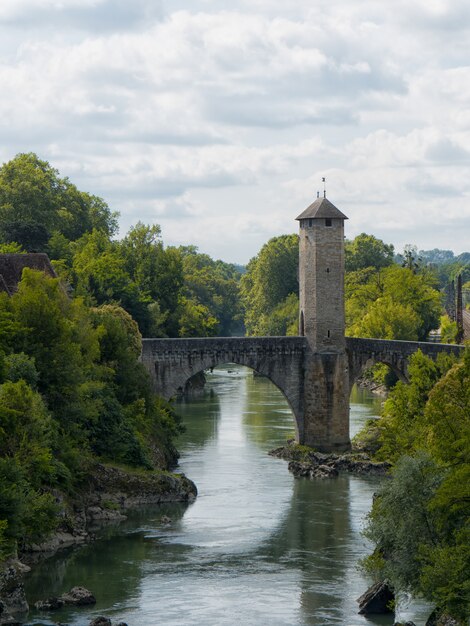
(12, 266)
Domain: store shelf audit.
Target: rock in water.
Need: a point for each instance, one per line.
(49, 604)
(78, 596)
(377, 599)
(100, 621)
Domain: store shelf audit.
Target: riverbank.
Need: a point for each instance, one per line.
(108, 494)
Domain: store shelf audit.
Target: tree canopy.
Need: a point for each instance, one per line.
(419, 522)
(35, 202)
(72, 390)
(367, 251)
(270, 286)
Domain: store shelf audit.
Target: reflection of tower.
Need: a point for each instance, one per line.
(322, 322)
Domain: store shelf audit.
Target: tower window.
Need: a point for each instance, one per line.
(310, 223)
(328, 333)
(327, 221)
(327, 270)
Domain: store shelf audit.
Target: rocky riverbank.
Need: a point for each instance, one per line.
(308, 463)
(109, 492)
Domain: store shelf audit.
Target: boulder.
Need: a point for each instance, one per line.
(12, 592)
(307, 470)
(100, 621)
(377, 599)
(49, 604)
(78, 596)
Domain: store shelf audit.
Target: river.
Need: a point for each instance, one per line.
(256, 547)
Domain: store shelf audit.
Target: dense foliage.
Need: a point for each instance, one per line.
(269, 289)
(420, 521)
(169, 291)
(367, 251)
(391, 303)
(71, 390)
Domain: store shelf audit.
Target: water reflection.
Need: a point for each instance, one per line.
(256, 547)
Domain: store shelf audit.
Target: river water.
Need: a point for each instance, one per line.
(257, 546)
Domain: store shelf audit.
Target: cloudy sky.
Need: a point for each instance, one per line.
(217, 119)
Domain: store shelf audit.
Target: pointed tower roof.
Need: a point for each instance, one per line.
(321, 208)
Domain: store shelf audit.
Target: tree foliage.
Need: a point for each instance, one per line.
(35, 202)
(72, 389)
(268, 284)
(367, 251)
(420, 521)
(394, 303)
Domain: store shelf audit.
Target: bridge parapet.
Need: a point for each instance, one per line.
(162, 349)
(363, 353)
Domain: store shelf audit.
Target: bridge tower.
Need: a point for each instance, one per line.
(322, 322)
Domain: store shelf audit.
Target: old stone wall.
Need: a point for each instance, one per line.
(171, 362)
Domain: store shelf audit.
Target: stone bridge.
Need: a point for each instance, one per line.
(316, 370)
(284, 360)
(172, 362)
(363, 353)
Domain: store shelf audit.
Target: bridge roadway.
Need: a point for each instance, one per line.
(172, 362)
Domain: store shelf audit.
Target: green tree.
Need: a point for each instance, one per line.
(35, 201)
(449, 330)
(400, 425)
(157, 273)
(270, 278)
(425, 549)
(196, 320)
(410, 299)
(387, 319)
(215, 285)
(367, 251)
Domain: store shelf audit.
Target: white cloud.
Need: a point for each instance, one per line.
(226, 115)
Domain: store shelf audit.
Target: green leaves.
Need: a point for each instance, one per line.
(367, 251)
(270, 280)
(35, 202)
(420, 520)
(394, 303)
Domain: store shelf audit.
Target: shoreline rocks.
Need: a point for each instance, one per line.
(110, 492)
(306, 462)
(77, 596)
(12, 595)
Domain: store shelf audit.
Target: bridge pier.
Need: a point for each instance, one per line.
(326, 402)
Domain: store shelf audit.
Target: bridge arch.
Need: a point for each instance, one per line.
(363, 362)
(363, 353)
(274, 379)
(172, 362)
